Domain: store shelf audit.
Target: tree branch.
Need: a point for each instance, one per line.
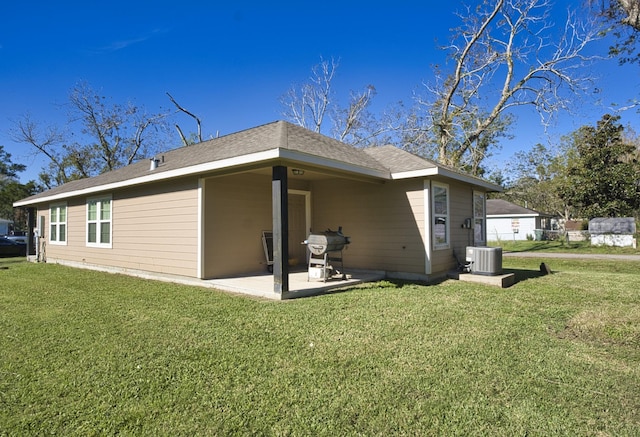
(180, 108)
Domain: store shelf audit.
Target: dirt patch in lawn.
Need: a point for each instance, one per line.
(609, 326)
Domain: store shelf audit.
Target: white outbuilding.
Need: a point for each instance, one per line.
(508, 221)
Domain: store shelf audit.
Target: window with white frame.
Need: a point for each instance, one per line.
(479, 218)
(440, 216)
(99, 222)
(58, 224)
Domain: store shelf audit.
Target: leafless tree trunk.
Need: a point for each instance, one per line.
(354, 112)
(308, 105)
(313, 106)
(109, 136)
(181, 109)
(100, 122)
(506, 54)
(45, 141)
(141, 125)
(632, 11)
(622, 20)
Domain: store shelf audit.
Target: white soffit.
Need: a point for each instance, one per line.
(239, 161)
(439, 171)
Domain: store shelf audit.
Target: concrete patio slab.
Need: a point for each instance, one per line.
(258, 284)
(502, 281)
(261, 284)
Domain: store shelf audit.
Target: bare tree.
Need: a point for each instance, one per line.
(314, 106)
(308, 105)
(352, 116)
(506, 54)
(47, 141)
(119, 129)
(103, 137)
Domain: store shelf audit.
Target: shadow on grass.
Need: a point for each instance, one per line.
(9, 261)
(543, 245)
(522, 275)
(383, 284)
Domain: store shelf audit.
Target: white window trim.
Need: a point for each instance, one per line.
(57, 240)
(426, 225)
(98, 221)
(447, 216)
(484, 217)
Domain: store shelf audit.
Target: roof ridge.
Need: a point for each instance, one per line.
(284, 134)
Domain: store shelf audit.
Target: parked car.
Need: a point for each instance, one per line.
(12, 248)
(18, 238)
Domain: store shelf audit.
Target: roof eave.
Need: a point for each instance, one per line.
(519, 215)
(440, 171)
(252, 159)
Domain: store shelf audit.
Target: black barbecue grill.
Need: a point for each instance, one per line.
(325, 250)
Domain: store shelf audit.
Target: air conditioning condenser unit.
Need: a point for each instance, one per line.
(485, 260)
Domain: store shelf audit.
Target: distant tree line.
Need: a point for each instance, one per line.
(595, 172)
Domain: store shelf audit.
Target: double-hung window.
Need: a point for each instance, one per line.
(440, 223)
(99, 215)
(58, 224)
(479, 218)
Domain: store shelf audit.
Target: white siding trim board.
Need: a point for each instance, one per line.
(200, 231)
(240, 161)
(427, 227)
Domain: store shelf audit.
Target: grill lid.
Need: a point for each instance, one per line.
(327, 241)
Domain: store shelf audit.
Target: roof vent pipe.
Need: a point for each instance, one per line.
(154, 164)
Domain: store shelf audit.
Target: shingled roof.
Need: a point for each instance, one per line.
(397, 160)
(269, 143)
(503, 207)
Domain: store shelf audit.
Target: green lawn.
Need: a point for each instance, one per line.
(89, 353)
(563, 246)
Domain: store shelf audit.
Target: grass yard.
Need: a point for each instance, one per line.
(88, 353)
(563, 246)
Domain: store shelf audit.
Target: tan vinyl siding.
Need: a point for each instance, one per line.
(460, 208)
(385, 222)
(154, 228)
(238, 209)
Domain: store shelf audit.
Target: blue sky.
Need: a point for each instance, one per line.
(230, 62)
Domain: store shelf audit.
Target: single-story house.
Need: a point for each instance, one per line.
(508, 221)
(5, 226)
(200, 211)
